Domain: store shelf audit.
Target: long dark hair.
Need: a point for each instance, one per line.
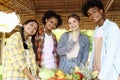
(22, 33)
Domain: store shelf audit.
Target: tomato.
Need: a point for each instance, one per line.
(80, 74)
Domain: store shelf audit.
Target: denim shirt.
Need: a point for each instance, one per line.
(64, 47)
(110, 51)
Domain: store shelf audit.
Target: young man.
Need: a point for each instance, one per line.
(106, 39)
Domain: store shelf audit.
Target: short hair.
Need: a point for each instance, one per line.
(90, 4)
(74, 16)
(49, 14)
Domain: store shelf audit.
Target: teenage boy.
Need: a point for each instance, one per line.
(105, 56)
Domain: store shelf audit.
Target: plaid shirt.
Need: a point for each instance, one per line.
(14, 59)
(39, 42)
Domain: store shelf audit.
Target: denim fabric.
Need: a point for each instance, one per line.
(69, 65)
(64, 47)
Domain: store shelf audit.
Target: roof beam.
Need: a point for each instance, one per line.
(36, 14)
(33, 3)
(23, 6)
(66, 7)
(109, 3)
(6, 9)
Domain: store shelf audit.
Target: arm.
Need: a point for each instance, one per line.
(112, 41)
(16, 55)
(28, 74)
(63, 45)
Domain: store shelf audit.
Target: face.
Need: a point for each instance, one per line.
(30, 28)
(73, 23)
(51, 23)
(95, 14)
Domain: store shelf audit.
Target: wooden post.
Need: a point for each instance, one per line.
(2, 46)
(109, 3)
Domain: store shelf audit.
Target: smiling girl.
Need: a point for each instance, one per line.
(73, 47)
(19, 58)
(45, 41)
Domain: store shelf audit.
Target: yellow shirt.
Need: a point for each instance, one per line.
(14, 58)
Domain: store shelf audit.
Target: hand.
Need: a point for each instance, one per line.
(73, 37)
(96, 78)
(32, 78)
(119, 77)
(36, 78)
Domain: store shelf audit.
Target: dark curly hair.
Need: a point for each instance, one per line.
(90, 4)
(50, 14)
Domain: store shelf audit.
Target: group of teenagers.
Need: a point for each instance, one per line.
(34, 47)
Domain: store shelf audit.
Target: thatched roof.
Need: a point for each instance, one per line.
(34, 9)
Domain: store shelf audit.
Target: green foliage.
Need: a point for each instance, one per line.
(58, 33)
(86, 72)
(0, 72)
(0, 76)
(88, 33)
(75, 76)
